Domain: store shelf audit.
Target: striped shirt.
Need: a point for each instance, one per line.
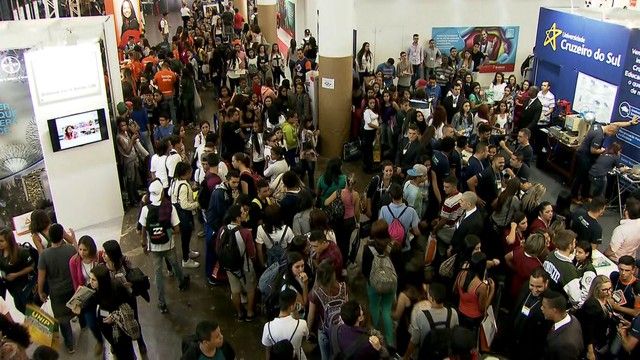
(451, 209)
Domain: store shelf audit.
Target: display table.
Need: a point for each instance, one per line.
(602, 264)
(561, 157)
(625, 183)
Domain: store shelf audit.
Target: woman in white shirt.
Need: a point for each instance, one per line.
(234, 71)
(364, 60)
(273, 232)
(183, 200)
(371, 124)
(256, 146)
(497, 86)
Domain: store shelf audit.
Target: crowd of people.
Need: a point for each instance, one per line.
(449, 235)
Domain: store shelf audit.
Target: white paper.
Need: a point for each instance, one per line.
(328, 83)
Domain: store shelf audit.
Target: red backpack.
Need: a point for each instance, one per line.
(397, 232)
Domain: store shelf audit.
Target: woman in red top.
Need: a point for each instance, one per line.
(543, 221)
(523, 259)
(515, 234)
(475, 292)
(522, 98)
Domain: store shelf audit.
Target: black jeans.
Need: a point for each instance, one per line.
(368, 136)
(308, 168)
(186, 229)
(581, 181)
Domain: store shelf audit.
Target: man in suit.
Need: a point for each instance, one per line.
(409, 151)
(471, 222)
(564, 341)
(530, 328)
(532, 112)
(453, 102)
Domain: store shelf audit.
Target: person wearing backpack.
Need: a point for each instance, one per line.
(431, 331)
(208, 343)
(236, 252)
(402, 219)
(351, 340)
(382, 280)
(274, 236)
(285, 327)
(221, 200)
(183, 200)
(160, 223)
(325, 303)
(248, 178)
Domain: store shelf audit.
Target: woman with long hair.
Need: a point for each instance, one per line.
(116, 317)
(297, 279)
(119, 266)
(333, 179)
(507, 204)
(364, 61)
(273, 236)
(318, 220)
(467, 61)
(515, 234)
(544, 218)
(18, 267)
(597, 320)
(291, 57)
(438, 120)
(462, 121)
(327, 290)
(351, 200)
(80, 266)
(277, 64)
(475, 292)
(256, 146)
(477, 97)
(380, 304)
(187, 95)
(497, 86)
(531, 199)
(234, 70)
(584, 259)
(39, 228)
(184, 201)
(521, 100)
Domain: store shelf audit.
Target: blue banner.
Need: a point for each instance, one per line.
(628, 103)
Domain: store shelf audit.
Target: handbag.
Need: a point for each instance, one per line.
(488, 330)
(140, 284)
(446, 268)
(335, 209)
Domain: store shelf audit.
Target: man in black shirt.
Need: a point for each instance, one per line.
(626, 288)
(530, 328)
(588, 152)
(488, 184)
(584, 222)
(477, 56)
(517, 168)
(232, 136)
(522, 147)
(409, 151)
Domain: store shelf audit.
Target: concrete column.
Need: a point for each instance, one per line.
(267, 10)
(242, 8)
(336, 22)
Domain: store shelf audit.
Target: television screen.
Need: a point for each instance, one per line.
(78, 129)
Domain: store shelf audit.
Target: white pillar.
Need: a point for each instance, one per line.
(335, 42)
(267, 10)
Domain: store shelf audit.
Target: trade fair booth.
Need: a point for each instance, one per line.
(592, 61)
(58, 82)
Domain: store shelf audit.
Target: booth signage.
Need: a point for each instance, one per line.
(628, 104)
(586, 42)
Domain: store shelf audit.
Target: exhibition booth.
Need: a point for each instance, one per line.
(58, 81)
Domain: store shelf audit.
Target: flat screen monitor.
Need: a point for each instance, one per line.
(80, 129)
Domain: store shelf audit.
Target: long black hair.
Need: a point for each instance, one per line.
(332, 172)
(114, 252)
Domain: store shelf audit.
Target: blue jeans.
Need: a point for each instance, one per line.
(209, 250)
(89, 319)
(380, 305)
(158, 257)
(324, 344)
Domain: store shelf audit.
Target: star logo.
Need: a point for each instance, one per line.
(552, 35)
(10, 65)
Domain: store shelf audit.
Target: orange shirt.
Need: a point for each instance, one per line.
(136, 69)
(149, 59)
(165, 80)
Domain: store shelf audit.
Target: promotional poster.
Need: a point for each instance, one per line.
(287, 15)
(23, 179)
(498, 43)
(128, 19)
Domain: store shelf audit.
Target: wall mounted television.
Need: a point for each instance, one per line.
(80, 129)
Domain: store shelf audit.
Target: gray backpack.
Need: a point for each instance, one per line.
(383, 277)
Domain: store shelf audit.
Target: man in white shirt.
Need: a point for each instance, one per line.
(548, 101)
(432, 58)
(285, 327)
(159, 227)
(173, 158)
(625, 239)
(158, 167)
(164, 26)
(416, 57)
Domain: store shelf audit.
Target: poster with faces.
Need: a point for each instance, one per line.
(128, 18)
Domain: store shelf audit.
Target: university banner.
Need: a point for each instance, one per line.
(23, 179)
(628, 104)
(498, 43)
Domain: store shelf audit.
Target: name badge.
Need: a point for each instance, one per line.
(525, 311)
(618, 297)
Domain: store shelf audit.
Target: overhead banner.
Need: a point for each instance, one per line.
(287, 14)
(128, 19)
(498, 43)
(23, 179)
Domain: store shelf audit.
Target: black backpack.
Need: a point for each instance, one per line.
(204, 195)
(157, 228)
(33, 254)
(437, 343)
(230, 257)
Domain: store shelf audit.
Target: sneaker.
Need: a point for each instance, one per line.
(184, 284)
(163, 308)
(190, 264)
(193, 254)
(97, 350)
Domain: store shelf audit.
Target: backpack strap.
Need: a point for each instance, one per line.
(432, 323)
(294, 330)
(257, 202)
(402, 212)
(269, 330)
(284, 232)
(268, 237)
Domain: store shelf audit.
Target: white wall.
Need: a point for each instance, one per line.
(84, 181)
(389, 25)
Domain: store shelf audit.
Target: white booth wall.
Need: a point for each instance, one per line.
(83, 181)
(389, 25)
